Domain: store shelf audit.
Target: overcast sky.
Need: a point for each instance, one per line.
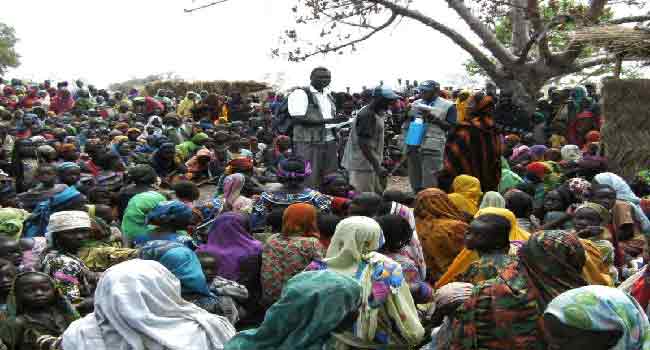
(111, 41)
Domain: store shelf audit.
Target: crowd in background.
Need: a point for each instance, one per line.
(514, 233)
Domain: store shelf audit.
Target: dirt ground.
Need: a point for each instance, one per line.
(400, 183)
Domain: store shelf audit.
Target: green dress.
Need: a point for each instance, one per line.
(133, 222)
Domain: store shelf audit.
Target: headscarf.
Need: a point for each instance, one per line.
(65, 221)
(11, 222)
(232, 187)
(518, 152)
(539, 169)
(36, 224)
(311, 307)
(239, 165)
(441, 229)
(300, 220)
(169, 212)
(354, 238)
(352, 253)
(602, 212)
(466, 193)
(68, 147)
(553, 261)
(571, 153)
(146, 288)
(466, 257)
(179, 260)
(624, 193)
(538, 150)
(67, 165)
(592, 136)
(193, 164)
(598, 308)
(579, 187)
(283, 173)
(229, 240)
(493, 199)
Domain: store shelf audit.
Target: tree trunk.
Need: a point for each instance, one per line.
(520, 26)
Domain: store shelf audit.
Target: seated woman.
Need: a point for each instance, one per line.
(398, 233)
(488, 235)
(36, 224)
(134, 220)
(288, 253)
(467, 257)
(38, 313)
(185, 265)
(231, 200)
(588, 222)
(146, 288)
(292, 173)
(67, 231)
(389, 317)
(171, 220)
(187, 149)
(504, 312)
(555, 207)
(165, 162)
(441, 228)
(238, 253)
(337, 187)
(466, 194)
(69, 173)
(47, 187)
(231, 296)
(198, 165)
(313, 306)
(596, 317)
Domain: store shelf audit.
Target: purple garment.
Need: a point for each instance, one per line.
(230, 241)
(538, 150)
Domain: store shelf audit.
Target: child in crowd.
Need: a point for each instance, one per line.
(327, 226)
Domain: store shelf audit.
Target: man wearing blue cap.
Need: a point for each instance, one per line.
(438, 115)
(365, 147)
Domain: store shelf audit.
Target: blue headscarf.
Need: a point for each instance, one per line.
(169, 212)
(36, 224)
(68, 165)
(179, 260)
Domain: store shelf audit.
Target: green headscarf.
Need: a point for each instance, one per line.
(311, 307)
(11, 222)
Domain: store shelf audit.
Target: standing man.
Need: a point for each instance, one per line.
(438, 116)
(365, 147)
(312, 109)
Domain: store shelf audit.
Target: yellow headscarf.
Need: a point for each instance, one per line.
(466, 194)
(595, 270)
(467, 257)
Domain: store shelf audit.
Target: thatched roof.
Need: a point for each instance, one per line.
(633, 41)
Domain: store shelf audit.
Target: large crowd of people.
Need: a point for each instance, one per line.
(514, 233)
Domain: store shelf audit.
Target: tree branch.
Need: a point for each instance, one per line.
(481, 59)
(590, 63)
(630, 19)
(575, 48)
(484, 33)
(352, 42)
(204, 6)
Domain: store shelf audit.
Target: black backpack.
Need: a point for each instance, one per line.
(282, 122)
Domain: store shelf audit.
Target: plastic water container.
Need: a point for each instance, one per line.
(415, 132)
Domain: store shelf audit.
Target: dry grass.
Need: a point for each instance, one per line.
(632, 41)
(626, 131)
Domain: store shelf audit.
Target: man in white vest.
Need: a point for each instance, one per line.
(438, 115)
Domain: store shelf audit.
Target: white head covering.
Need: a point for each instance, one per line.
(493, 199)
(64, 221)
(571, 153)
(138, 306)
(354, 237)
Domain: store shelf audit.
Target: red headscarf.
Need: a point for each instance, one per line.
(300, 220)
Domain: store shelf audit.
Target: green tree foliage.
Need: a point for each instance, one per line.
(9, 58)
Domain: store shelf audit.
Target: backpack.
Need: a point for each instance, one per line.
(282, 122)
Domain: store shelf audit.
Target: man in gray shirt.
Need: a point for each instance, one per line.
(312, 109)
(365, 148)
